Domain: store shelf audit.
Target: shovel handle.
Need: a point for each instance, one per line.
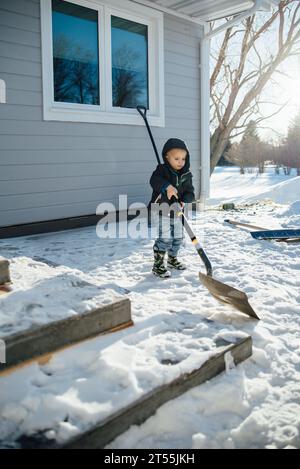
(197, 245)
(193, 237)
(142, 110)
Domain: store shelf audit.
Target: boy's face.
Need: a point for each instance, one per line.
(176, 158)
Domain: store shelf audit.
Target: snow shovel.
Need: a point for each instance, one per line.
(222, 292)
(277, 235)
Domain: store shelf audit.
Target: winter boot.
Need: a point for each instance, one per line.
(159, 268)
(174, 263)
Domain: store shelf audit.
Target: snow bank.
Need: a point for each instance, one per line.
(290, 215)
(282, 193)
(291, 210)
(228, 185)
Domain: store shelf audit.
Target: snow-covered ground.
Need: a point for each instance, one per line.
(227, 185)
(43, 293)
(256, 405)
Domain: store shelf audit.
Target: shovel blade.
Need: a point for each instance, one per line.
(228, 295)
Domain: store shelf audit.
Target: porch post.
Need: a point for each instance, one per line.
(205, 117)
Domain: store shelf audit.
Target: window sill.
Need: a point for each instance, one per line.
(101, 117)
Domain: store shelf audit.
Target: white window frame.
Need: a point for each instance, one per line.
(106, 113)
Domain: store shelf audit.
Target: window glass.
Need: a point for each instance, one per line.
(75, 53)
(129, 63)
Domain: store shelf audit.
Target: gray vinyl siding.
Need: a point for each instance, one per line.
(53, 170)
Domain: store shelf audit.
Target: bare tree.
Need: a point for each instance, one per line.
(250, 153)
(292, 145)
(243, 68)
(238, 156)
(128, 84)
(76, 73)
(286, 154)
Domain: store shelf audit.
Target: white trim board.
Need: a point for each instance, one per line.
(2, 92)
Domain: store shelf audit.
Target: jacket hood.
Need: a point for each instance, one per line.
(176, 143)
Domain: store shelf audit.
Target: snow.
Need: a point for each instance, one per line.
(178, 325)
(291, 215)
(227, 185)
(47, 293)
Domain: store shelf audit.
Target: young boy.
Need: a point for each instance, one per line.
(172, 179)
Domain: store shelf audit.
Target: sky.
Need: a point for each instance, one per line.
(286, 88)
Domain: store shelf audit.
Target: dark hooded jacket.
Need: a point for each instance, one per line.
(164, 175)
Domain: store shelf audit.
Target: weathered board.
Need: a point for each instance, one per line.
(39, 342)
(139, 411)
(4, 290)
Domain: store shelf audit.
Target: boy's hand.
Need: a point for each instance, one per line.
(172, 191)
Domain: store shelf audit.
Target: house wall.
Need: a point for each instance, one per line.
(52, 170)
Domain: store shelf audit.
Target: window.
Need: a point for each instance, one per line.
(129, 63)
(75, 53)
(100, 60)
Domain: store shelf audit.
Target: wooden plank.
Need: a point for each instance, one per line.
(139, 411)
(4, 271)
(289, 241)
(39, 342)
(44, 359)
(5, 289)
(245, 225)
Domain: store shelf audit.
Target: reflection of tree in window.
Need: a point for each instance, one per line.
(75, 53)
(128, 85)
(75, 80)
(129, 63)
